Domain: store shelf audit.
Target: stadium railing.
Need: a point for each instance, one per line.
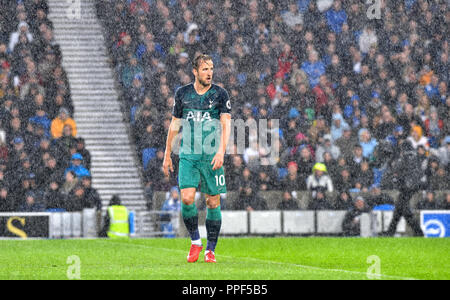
(273, 198)
(86, 224)
(299, 223)
(51, 225)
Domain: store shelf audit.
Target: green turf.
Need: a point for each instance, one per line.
(237, 258)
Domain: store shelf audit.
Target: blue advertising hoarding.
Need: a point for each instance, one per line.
(435, 223)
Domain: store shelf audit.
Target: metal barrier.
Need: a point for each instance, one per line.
(167, 224)
(52, 225)
(299, 222)
(303, 222)
(157, 223)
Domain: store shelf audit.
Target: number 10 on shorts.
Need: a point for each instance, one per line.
(220, 180)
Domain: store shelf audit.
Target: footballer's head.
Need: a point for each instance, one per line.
(203, 69)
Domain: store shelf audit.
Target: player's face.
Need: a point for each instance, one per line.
(204, 73)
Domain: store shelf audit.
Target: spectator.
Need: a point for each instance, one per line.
(60, 122)
(3, 147)
(319, 179)
(249, 200)
(377, 197)
(135, 92)
(352, 220)
(53, 198)
(293, 16)
(266, 180)
(50, 170)
(155, 179)
(81, 149)
(287, 202)
(76, 200)
(31, 204)
(445, 203)
(338, 127)
(234, 172)
(64, 144)
(355, 160)
(318, 129)
(139, 6)
(70, 182)
(276, 88)
(325, 96)
(396, 137)
(367, 39)
(331, 164)
(367, 142)
(172, 205)
(346, 142)
(336, 17)
(329, 147)
(439, 181)
(22, 29)
(319, 200)
(345, 181)
(364, 178)
(5, 200)
(428, 202)
(417, 139)
(252, 155)
(344, 201)
(387, 126)
(41, 119)
(434, 127)
(407, 118)
(77, 167)
(304, 165)
(92, 196)
(286, 60)
(443, 153)
(293, 181)
(314, 68)
(131, 71)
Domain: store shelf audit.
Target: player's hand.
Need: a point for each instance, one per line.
(167, 165)
(217, 161)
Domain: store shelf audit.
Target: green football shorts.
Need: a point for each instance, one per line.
(193, 172)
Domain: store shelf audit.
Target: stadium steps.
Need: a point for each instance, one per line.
(100, 121)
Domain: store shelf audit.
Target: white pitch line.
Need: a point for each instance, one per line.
(312, 268)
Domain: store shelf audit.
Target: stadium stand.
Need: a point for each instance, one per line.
(347, 89)
(42, 167)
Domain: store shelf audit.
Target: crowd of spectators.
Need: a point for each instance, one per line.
(348, 89)
(43, 164)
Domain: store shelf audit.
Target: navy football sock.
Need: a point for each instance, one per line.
(190, 218)
(213, 224)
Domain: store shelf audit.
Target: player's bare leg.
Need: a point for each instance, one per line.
(213, 224)
(190, 217)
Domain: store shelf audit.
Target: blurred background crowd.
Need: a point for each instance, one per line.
(43, 163)
(348, 87)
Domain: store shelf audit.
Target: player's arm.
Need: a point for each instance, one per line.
(225, 122)
(174, 128)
